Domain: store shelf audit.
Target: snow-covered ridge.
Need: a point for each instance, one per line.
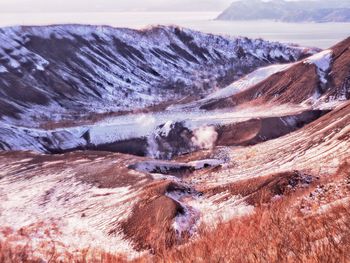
(238, 86)
(75, 213)
(322, 61)
(66, 71)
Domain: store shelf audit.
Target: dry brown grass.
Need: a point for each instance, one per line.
(260, 190)
(271, 234)
(276, 232)
(20, 247)
(26, 254)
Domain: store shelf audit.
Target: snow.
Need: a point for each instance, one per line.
(220, 208)
(207, 210)
(59, 199)
(123, 82)
(249, 81)
(3, 69)
(161, 130)
(135, 126)
(78, 214)
(165, 130)
(238, 86)
(11, 49)
(12, 62)
(182, 223)
(165, 166)
(187, 220)
(289, 121)
(288, 153)
(322, 61)
(197, 209)
(277, 53)
(41, 64)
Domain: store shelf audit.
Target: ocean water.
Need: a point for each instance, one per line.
(321, 35)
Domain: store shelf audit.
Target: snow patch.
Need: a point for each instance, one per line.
(248, 81)
(165, 130)
(3, 69)
(41, 64)
(159, 167)
(322, 61)
(220, 208)
(210, 211)
(164, 167)
(185, 222)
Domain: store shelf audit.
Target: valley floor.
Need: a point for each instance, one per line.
(214, 205)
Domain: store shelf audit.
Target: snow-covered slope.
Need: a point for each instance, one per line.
(74, 196)
(64, 72)
(88, 200)
(123, 204)
(238, 86)
(320, 80)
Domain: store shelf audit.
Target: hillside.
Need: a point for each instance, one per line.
(246, 160)
(71, 72)
(319, 79)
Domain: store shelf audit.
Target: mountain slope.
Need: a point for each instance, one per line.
(323, 77)
(95, 200)
(81, 188)
(285, 97)
(64, 72)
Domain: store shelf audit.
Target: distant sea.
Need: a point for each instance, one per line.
(321, 35)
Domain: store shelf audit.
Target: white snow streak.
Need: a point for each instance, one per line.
(59, 199)
(322, 61)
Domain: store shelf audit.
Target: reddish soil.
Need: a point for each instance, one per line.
(258, 130)
(340, 75)
(149, 226)
(261, 190)
(296, 84)
(291, 86)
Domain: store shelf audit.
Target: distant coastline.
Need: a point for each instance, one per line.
(286, 11)
(322, 35)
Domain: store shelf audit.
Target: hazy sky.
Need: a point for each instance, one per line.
(111, 5)
(15, 6)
